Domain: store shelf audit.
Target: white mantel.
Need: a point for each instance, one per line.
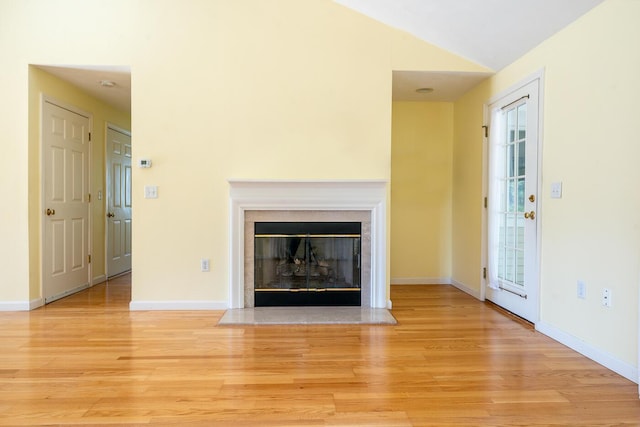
(331, 195)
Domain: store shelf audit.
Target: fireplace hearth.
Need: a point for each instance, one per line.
(307, 264)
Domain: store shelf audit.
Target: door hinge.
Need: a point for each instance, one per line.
(484, 272)
(486, 131)
(89, 259)
(89, 197)
(89, 136)
(486, 203)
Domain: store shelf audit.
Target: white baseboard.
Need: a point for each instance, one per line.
(178, 305)
(420, 280)
(98, 279)
(35, 303)
(466, 289)
(605, 359)
(21, 305)
(15, 306)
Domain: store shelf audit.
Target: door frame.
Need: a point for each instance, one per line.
(109, 125)
(537, 75)
(44, 98)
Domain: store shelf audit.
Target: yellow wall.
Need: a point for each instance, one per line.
(284, 89)
(590, 144)
(42, 83)
(421, 158)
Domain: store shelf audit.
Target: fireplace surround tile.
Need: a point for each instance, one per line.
(253, 216)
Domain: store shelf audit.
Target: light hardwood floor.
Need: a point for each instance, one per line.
(451, 361)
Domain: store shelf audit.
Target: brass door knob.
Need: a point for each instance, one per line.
(530, 215)
(110, 215)
(50, 212)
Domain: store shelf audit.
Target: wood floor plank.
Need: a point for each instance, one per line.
(450, 361)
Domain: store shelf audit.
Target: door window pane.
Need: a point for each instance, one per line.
(522, 121)
(511, 125)
(521, 158)
(521, 195)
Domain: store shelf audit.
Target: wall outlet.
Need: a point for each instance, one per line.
(606, 297)
(556, 190)
(204, 264)
(582, 290)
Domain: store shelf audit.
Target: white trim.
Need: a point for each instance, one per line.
(123, 131)
(15, 306)
(420, 280)
(21, 305)
(177, 305)
(67, 293)
(468, 290)
(36, 303)
(365, 195)
(99, 279)
(603, 358)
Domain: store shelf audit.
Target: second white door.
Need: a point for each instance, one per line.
(118, 201)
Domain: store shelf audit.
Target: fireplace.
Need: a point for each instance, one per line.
(307, 264)
(361, 202)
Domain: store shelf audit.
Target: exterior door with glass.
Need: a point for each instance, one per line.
(512, 228)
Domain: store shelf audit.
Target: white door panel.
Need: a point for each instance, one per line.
(65, 140)
(118, 201)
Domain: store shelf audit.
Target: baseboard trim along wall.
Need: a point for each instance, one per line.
(177, 305)
(466, 289)
(98, 279)
(624, 369)
(420, 280)
(15, 306)
(605, 359)
(21, 305)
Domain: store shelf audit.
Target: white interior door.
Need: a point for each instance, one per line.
(513, 201)
(118, 201)
(65, 140)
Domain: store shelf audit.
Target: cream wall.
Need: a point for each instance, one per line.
(421, 165)
(589, 144)
(42, 83)
(221, 89)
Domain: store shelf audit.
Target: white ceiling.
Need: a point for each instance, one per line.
(88, 78)
(492, 33)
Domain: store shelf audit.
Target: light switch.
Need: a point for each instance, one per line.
(556, 190)
(150, 191)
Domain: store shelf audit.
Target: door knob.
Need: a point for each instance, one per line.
(530, 215)
(110, 215)
(50, 212)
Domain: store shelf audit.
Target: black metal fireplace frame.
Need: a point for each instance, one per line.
(308, 296)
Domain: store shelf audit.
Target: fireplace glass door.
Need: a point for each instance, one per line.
(307, 263)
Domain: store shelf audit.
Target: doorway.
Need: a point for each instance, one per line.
(512, 208)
